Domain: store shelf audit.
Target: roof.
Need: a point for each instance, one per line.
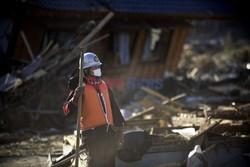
(182, 7)
(70, 5)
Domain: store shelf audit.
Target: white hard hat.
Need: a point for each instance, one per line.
(90, 60)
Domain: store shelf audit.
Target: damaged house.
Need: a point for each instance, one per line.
(143, 39)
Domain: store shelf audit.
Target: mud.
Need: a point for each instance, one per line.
(32, 152)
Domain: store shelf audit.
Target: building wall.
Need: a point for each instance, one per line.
(134, 60)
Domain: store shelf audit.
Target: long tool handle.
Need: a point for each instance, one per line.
(81, 60)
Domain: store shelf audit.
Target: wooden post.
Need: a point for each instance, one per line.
(79, 107)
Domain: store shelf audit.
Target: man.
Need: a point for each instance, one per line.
(101, 119)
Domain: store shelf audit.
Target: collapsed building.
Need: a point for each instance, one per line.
(201, 112)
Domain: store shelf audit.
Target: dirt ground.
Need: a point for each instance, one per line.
(32, 152)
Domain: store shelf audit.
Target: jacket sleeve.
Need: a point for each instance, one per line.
(69, 108)
(118, 118)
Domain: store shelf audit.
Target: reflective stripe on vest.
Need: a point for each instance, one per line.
(96, 107)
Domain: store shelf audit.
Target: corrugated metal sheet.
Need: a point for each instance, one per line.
(144, 6)
(172, 6)
(70, 5)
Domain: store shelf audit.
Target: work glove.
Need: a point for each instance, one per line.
(77, 93)
(120, 138)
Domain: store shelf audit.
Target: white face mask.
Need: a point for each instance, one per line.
(97, 72)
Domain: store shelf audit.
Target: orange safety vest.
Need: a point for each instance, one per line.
(93, 114)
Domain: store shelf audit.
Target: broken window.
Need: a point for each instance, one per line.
(119, 48)
(123, 48)
(156, 45)
(123, 42)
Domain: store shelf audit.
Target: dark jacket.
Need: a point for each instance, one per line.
(70, 108)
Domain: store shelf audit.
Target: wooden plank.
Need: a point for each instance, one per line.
(26, 42)
(36, 74)
(137, 52)
(205, 129)
(165, 99)
(172, 49)
(42, 111)
(48, 55)
(154, 93)
(154, 121)
(46, 48)
(175, 49)
(146, 110)
(74, 54)
(34, 33)
(64, 160)
(179, 48)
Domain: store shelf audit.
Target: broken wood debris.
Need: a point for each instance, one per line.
(216, 126)
(26, 87)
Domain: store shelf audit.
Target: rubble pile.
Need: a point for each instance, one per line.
(35, 93)
(202, 111)
(31, 91)
(207, 103)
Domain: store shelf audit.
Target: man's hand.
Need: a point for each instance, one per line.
(77, 93)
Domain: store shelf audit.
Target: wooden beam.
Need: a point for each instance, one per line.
(154, 106)
(26, 42)
(74, 54)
